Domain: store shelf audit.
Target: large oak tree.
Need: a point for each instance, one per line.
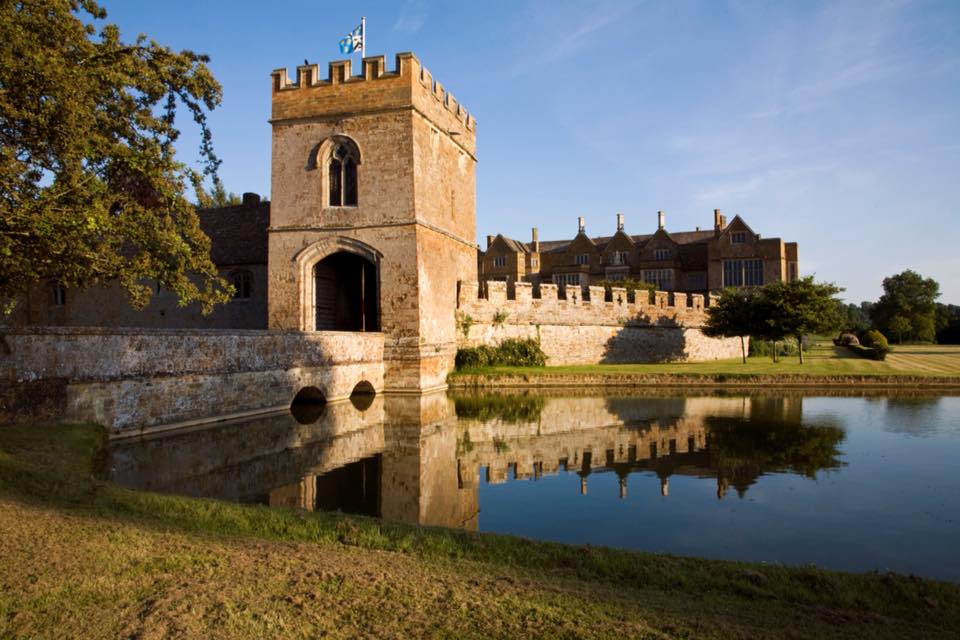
(90, 189)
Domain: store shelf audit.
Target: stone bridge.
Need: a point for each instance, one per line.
(131, 380)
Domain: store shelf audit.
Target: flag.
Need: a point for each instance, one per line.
(352, 41)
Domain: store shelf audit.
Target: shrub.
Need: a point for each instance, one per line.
(873, 353)
(761, 347)
(874, 338)
(512, 352)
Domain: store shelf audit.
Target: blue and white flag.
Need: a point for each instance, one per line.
(352, 41)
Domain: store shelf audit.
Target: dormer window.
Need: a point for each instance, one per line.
(500, 261)
(738, 237)
(619, 257)
(583, 258)
(343, 176)
(661, 254)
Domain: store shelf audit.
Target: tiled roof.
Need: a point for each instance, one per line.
(238, 235)
(680, 237)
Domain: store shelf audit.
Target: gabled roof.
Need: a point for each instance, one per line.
(679, 237)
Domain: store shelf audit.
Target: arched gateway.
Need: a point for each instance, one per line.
(346, 296)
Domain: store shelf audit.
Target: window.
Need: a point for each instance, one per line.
(243, 283)
(616, 277)
(738, 237)
(662, 279)
(618, 257)
(792, 269)
(742, 273)
(661, 254)
(563, 279)
(58, 294)
(500, 261)
(583, 258)
(343, 177)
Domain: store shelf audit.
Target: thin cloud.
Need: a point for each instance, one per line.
(413, 15)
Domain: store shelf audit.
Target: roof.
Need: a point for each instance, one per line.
(238, 234)
(680, 237)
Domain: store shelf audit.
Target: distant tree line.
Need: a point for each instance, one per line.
(907, 311)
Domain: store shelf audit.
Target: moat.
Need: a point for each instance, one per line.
(851, 482)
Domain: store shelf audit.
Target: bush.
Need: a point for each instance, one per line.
(874, 338)
(873, 353)
(511, 353)
(761, 347)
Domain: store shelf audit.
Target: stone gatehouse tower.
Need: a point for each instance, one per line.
(373, 219)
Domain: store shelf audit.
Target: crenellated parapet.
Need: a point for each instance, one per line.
(531, 305)
(375, 89)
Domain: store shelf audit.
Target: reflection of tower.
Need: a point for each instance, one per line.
(421, 481)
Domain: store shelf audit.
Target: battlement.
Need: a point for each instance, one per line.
(542, 305)
(409, 85)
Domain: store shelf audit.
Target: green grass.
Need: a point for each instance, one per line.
(823, 359)
(86, 558)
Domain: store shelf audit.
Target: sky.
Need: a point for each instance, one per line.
(833, 124)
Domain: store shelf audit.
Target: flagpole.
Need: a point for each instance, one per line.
(363, 37)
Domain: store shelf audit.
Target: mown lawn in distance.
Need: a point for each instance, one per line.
(823, 359)
(86, 558)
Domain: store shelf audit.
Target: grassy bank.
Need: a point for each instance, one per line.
(85, 558)
(912, 364)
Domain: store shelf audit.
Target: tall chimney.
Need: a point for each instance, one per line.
(717, 220)
(535, 240)
(661, 220)
(489, 241)
(580, 224)
(619, 222)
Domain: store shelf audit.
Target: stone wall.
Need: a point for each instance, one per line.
(132, 379)
(577, 331)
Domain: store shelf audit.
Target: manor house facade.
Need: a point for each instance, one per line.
(725, 255)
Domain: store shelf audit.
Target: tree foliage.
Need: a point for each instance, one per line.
(798, 308)
(734, 315)
(907, 307)
(90, 189)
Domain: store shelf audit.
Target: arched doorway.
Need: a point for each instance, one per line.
(346, 291)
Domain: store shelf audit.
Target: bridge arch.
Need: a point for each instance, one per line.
(339, 282)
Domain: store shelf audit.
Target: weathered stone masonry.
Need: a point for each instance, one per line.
(574, 331)
(131, 379)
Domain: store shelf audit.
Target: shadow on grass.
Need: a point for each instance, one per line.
(53, 466)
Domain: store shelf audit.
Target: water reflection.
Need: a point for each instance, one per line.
(421, 459)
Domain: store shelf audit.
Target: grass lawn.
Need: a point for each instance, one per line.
(84, 558)
(823, 359)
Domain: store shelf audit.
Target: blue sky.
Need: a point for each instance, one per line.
(834, 124)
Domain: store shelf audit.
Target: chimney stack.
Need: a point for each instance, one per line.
(535, 240)
(251, 199)
(619, 222)
(661, 220)
(717, 220)
(580, 224)
(489, 241)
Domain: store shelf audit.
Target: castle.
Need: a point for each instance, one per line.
(372, 229)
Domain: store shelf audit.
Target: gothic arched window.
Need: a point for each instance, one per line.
(343, 176)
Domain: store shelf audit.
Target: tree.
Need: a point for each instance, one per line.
(218, 196)
(911, 297)
(734, 314)
(798, 308)
(900, 325)
(90, 189)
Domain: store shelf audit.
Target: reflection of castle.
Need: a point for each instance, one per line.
(414, 459)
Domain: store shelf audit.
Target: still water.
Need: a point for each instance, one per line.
(846, 482)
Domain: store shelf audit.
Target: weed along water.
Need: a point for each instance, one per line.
(855, 482)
